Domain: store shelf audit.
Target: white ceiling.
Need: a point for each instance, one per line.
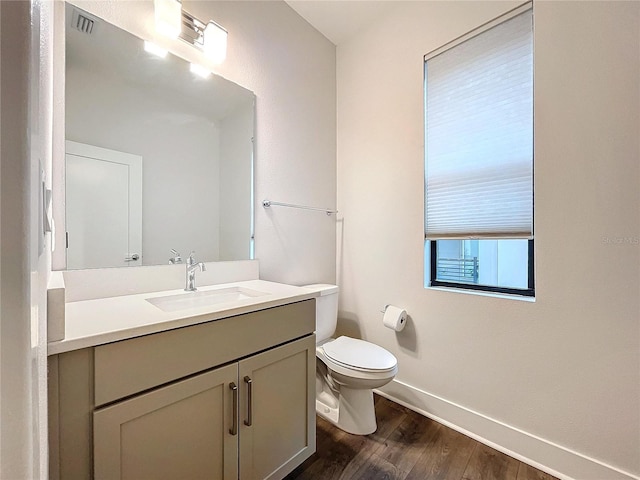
(339, 20)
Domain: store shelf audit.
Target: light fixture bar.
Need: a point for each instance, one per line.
(192, 30)
(173, 21)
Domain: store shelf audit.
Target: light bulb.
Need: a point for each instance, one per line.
(155, 49)
(215, 42)
(199, 70)
(168, 14)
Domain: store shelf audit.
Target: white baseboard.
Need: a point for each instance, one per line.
(542, 454)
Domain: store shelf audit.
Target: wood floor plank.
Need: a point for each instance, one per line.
(364, 446)
(332, 464)
(527, 472)
(339, 455)
(338, 458)
(406, 443)
(377, 468)
(445, 457)
(389, 415)
(487, 463)
(406, 446)
(323, 461)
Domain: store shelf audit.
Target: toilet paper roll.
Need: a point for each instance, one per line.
(394, 318)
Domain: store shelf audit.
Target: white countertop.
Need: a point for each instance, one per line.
(94, 322)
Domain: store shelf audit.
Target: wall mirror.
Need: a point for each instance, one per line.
(157, 157)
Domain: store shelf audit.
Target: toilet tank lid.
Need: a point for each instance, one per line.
(322, 288)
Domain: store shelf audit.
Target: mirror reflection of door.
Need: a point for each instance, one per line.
(103, 207)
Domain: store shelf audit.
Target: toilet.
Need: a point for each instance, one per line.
(347, 369)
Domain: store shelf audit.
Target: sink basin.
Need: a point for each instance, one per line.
(184, 301)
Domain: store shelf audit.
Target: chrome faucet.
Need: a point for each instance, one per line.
(192, 266)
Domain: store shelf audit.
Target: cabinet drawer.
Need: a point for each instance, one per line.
(131, 366)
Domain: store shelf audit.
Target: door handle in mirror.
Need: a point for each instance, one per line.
(132, 258)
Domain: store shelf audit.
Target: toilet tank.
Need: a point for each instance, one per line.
(326, 309)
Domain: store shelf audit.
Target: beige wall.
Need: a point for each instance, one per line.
(15, 368)
(555, 381)
(291, 69)
(25, 128)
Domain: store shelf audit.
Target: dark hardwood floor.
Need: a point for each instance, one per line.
(407, 446)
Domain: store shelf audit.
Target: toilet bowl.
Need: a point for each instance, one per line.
(347, 370)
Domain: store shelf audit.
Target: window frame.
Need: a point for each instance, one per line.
(526, 292)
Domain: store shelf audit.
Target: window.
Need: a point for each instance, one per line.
(479, 158)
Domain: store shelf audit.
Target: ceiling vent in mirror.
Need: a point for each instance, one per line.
(83, 22)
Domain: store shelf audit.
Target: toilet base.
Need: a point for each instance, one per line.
(352, 411)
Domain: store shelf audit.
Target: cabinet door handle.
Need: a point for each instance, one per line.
(234, 424)
(249, 383)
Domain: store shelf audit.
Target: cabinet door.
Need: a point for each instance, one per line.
(178, 431)
(277, 410)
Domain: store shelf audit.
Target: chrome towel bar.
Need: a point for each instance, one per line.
(269, 203)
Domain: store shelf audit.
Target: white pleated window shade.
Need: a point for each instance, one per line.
(479, 135)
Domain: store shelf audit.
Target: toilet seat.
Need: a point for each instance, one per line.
(359, 355)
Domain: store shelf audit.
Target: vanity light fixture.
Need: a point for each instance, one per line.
(173, 21)
(168, 17)
(199, 70)
(155, 49)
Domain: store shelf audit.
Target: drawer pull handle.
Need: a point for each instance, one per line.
(234, 424)
(249, 419)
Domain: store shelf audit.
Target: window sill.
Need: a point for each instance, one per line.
(504, 296)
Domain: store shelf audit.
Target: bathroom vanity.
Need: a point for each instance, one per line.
(223, 391)
(147, 381)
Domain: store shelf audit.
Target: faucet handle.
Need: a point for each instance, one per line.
(176, 257)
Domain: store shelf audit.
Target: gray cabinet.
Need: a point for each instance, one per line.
(178, 431)
(277, 426)
(242, 411)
